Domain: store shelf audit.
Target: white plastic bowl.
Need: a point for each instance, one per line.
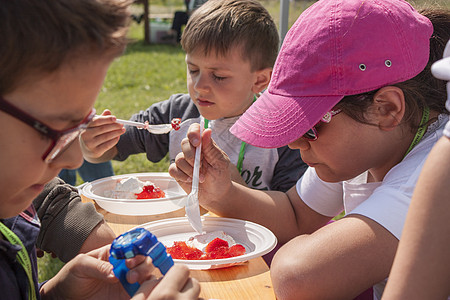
(174, 200)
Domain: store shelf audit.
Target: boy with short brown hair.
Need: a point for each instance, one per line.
(230, 49)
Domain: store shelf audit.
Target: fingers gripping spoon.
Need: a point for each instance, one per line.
(192, 206)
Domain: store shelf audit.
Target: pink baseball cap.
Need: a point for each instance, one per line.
(335, 48)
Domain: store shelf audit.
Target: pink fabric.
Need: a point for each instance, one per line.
(335, 48)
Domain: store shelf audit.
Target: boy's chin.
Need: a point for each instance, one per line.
(208, 116)
(20, 202)
(14, 211)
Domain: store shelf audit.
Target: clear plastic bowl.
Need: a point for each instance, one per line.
(175, 196)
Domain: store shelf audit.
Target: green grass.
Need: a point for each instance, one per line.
(145, 74)
(149, 73)
(48, 267)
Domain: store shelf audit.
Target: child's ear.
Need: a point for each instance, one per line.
(389, 107)
(262, 78)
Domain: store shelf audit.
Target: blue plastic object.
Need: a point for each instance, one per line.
(138, 241)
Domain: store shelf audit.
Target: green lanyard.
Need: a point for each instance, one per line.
(421, 130)
(22, 257)
(241, 151)
(241, 157)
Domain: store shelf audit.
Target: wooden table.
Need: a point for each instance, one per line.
(250, 280)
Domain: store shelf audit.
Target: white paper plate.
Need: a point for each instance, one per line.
(256, 239)
(175, 196)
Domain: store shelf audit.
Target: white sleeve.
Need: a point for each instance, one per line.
(323, 197)
(389, 203)
(447, 130)
(388, 207)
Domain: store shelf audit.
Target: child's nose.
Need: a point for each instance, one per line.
(201, 84)
(71, 158)
(300, 143)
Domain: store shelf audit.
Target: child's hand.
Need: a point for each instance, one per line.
(215, 178)
(90, 276)
(99, 139)
(176, 284)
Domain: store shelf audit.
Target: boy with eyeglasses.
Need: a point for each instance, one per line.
(53, 62)
(62, 233)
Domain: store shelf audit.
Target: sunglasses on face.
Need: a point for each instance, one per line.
(312, 134)
(61, 139)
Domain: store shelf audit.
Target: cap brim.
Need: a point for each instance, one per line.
(274, 121)
(441, 69)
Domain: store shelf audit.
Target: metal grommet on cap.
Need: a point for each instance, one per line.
(362, 67)
(388, 63)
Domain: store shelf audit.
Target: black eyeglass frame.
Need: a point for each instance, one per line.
(59, 143)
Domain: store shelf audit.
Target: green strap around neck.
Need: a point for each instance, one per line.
(421, 130)
(241, 151)
(22, 258)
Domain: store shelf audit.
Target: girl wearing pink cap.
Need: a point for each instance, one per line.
(352, 90)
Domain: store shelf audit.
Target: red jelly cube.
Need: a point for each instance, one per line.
(215, 244)
(176, 123)
(237, 250)
(219, 252)
(150, 192)
(215, 249)
(180, 250)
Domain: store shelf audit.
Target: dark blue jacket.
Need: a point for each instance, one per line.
(13, 279)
